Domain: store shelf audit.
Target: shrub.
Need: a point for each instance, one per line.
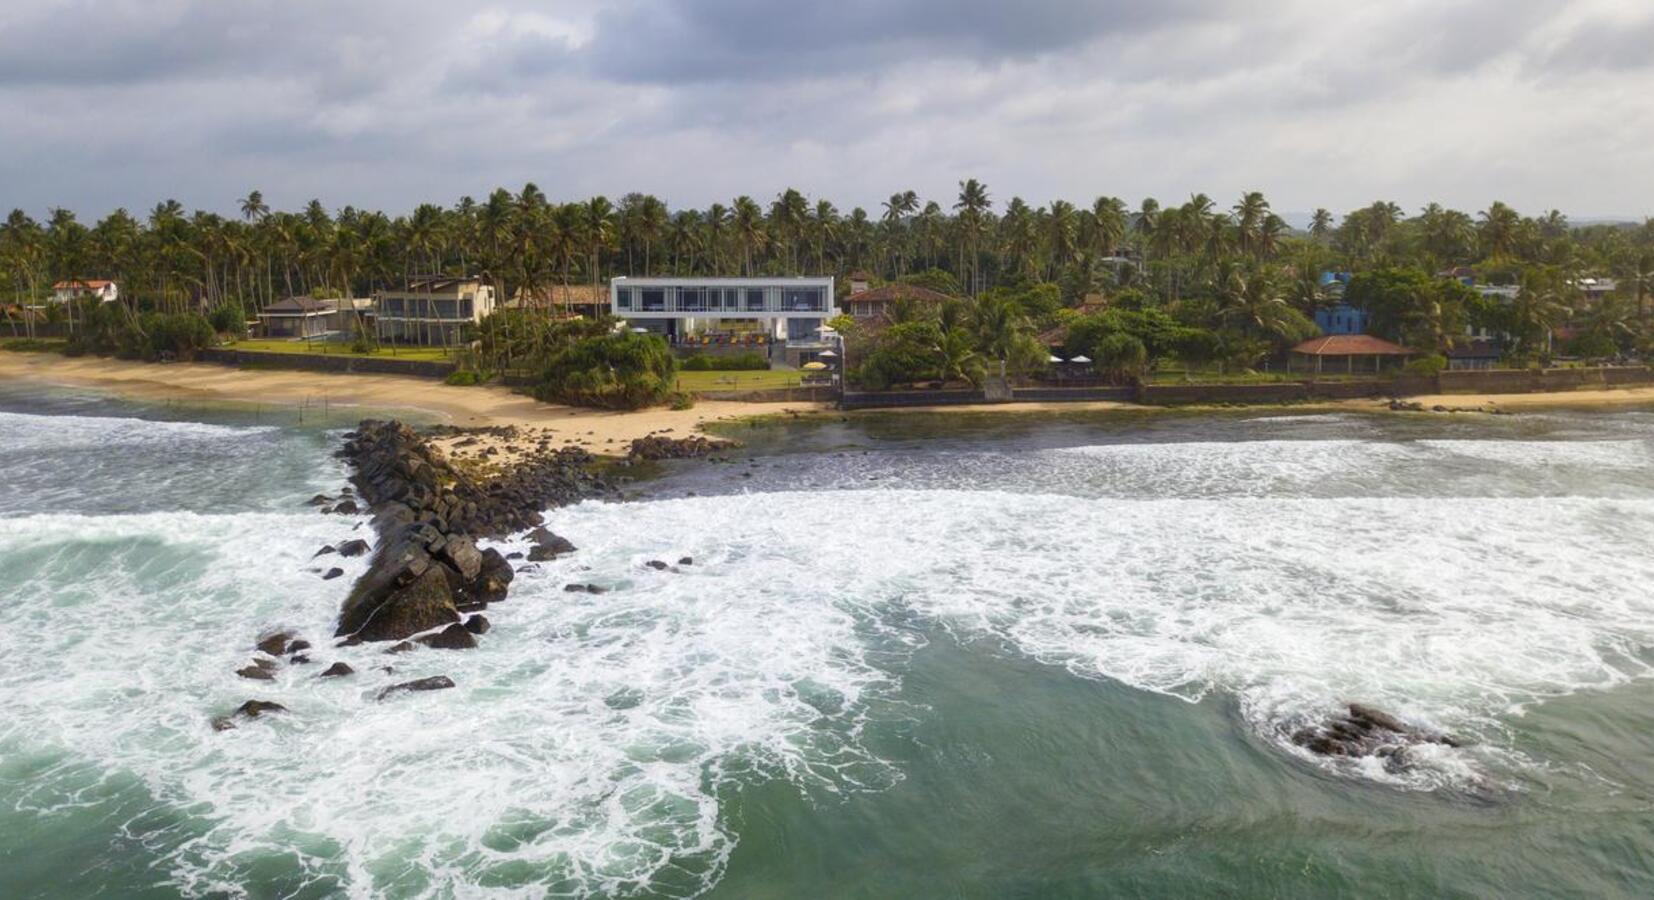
(740, 362)
(905, 353)
(229, 318)
(682, 400)
(1426, 365)
(463, 378)
(624, 370)
(181, 334)
(1121, 356)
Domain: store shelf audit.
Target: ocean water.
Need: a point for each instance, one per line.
(912, 656)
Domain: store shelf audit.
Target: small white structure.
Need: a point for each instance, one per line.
(74, 289)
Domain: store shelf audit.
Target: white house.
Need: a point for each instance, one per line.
(74, 289)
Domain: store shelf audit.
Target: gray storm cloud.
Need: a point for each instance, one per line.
(380, 103)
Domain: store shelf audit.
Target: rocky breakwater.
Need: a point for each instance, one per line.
(428, 581)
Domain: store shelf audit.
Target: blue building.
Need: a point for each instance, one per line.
(1341, 318)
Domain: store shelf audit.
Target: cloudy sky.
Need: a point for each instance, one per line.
(387, 103)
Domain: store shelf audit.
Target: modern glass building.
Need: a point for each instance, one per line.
(718, 312)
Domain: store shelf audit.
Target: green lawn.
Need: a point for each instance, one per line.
(336, 348)
(756, 380)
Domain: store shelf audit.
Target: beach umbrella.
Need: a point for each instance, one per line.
(826, 329)
(815, 366)
(1054, 359)
(828, 354)
(640, 331)
(1080, 359)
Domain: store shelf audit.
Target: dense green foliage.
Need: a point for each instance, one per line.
(734, 362)
(1239, 276)
(622, 370)
(110, 329)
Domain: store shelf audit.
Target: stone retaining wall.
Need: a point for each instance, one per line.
(319, 362)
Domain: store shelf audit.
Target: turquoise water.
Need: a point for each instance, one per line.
(1045, 657)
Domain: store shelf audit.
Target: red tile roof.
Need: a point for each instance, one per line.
(94, 284)
(1350, 345)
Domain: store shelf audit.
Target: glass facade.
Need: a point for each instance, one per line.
(783, 297)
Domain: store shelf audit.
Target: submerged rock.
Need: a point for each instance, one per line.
(252, 709)
(433, 683)
(260, 670)
(275, 643)
(337, 670)
(1364, 731)
(353, 548)
(332, 573)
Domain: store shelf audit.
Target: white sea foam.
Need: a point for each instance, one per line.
(582, 751)
(25, 431)
(591, 736)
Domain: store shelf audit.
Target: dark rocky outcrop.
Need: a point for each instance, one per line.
(260, 670)
(427, 569)
(477, 624)
(434, 683)
(654, 446)
(337, 670)
(332, 573)
(584, 589)
(275, 643)
(548, 546)
(252, 709)
(1363, 731)
(454, 637)
(353, 548)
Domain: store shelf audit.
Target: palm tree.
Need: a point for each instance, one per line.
(1104, 226)
(1320, 224)
(1250, 214)
(824, 229)
(1002, 332)
(748, 222)
(597, 227)
(1499, 228)
(717, 235)
(253, 206)
(972, 220)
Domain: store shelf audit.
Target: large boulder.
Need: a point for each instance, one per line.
(454, 637)
(547, 545)
(463, 555)
(426, 602)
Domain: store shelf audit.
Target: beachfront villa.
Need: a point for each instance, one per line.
(874, 304)
(780, 317)
(309, 317)
(435, 310)
(74, 289)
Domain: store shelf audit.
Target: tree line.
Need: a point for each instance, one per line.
(1237, 270)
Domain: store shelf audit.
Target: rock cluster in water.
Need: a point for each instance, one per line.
(659, 446)
(1364, 731)
(1399, 405)
(428, 571)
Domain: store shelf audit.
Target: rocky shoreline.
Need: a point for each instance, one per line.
(427, 582)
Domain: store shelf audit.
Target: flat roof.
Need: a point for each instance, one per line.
(657, 281)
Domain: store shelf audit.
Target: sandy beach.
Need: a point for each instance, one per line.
(290, 394)
(337, 396)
